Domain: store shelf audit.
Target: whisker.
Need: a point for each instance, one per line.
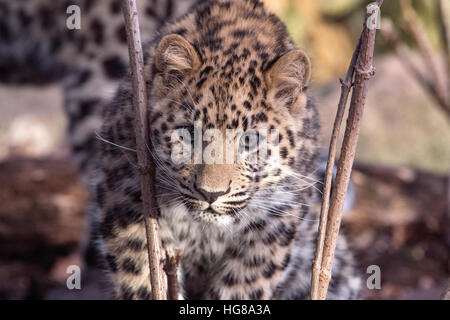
(99, 137)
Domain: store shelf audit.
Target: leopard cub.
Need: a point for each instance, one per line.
(246, 228)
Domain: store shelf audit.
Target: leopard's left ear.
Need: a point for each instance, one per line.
(175, 58)
(287, 80)
(175, 53)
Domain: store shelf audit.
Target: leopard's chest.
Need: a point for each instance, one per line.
(196, 240)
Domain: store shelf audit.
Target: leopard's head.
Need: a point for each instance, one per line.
(226, 130)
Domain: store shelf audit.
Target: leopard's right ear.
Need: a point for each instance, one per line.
(175, 55)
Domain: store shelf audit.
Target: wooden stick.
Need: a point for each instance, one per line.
(413, 25)
(171, 268)
(415, 28)
(346, 86)
(363, 70)
(147, 171)
(392, 35)
(444, 22)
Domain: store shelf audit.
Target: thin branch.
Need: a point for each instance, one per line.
(412, 24)
(444, 22)
(147, 171)
(346, 85)
(391, 34)
(363, 71)
(171, 268)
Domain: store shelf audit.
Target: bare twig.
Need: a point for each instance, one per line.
(415, 28)
(171, 268)
(444, 22)
(413, 25)
(362, 70)
(145, 163)
(391, 34)
(346, 86)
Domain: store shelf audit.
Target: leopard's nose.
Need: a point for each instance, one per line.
(209, 196)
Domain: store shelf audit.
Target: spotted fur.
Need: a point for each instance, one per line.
(246, 231)
(36, 47)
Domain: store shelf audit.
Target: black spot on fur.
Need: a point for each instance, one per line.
(287, 236)
(155, 117)
(197, 115)
(114, 67)
(269, 270)
(291, 138)
(271, 237)
(129, 266)
(234, 253)
(255, 226)
(256, 294)
(200, 83)
(237, 296)
(144, 294)
(230, 279)
(254, 261)
(111, 260)
(169, 7)
(135, 245)
(126, 292)
(87, 107)
(284, 152)
(205, 71)
(115, 7)
(98, 31)
(286, 261)
(251, 278)
(121, 33)
(240, 33)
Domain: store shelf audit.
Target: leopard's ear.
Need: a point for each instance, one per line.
(175, 54)
(288, 79)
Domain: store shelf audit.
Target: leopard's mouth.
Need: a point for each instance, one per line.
(211, 217)
(206, 209)
(212, 211)
(206, 213)
(223, 212)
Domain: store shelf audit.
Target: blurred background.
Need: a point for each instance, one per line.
(400, 219)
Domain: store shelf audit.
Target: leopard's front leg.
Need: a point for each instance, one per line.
(127, 260)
